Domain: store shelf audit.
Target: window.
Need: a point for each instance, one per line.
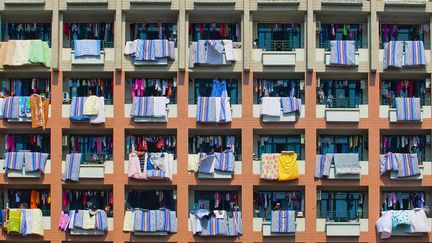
(405, 144)
(403, 200)
(94, 149)
(87, 87)
(22, 198)
(151, 144)
(277, 144)
(151, 199)
(392, 89)
(343, 144)
(340, 94)
(264, 202)
(84, 200)
(203, 88)
(26, 31)
(341, 206)
(152, 87)
(211, 144)
(95, 31)
(403, 32)
(279, 37)
(26, 87)
(152, 31)
(341, 32)
(278, 88)
(216, 200)
(215, 31)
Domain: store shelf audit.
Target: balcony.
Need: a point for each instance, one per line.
(259, 225)
(219, 174)
(322, 57)
(107, 56)
(288, 117)
(427, 54)
(109, 111)
(236, 110)
(174, 166)
(94, 170)
(171, 113)
(341, 110)
(338, 229)
(301, 164)
(278, 53)
(388, 112)
(23, 174)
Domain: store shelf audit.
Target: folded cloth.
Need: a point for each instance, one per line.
(100, 118)
(39, 52)
(77, 109)
(393, 54)
(91, 106)
(269, 167)
(225, 161)
(346, 163)
(419, 221)
(87, 48)
(287, 167)
(322, 165)
(408, 109)
(11, 107)
(229, 51)
(21, 53)
(342, 52)
(193, 162)
(207, 164)
(35, 161)
(135, 170)
(407, 165)
(271, 106)
(291, 104)
(414, 53)
(128, 221)
(72, 167)
(283, 221)
(384, 225)
(14, 160)
(388, 162)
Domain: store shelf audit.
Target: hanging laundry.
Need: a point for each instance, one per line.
(212, 52)
(283, 221)
(342, 53)
(408, 109)
(83, 48)
(72, 167)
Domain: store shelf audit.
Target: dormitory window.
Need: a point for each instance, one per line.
(404, 32)
(406, 145)
(94, 31)
(278, 88)
(95, 149)
(151, 144)
(265, 202)
(212, 144)
(142, 87)
(204, 87)
(27, 198)
(86, 87)
(278, 143)
(392, 89)
(215, 31)
(26, 142)
(341, 206)
(279, 37)
(26, 87)
(331, 32)
(397, 200)
(153, 31)
(151, 199)
(26, 31)
(329, 144)
(88, 200)
(341, 93)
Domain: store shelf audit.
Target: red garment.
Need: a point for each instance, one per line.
(221, 30)
(65, 199)
(411, 89)
(201, 29)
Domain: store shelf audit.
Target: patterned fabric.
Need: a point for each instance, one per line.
(414, 53)
(342, 52)
(269, 167)
(87, 48)
(408, 109)
(11, 107)
(407, 165)
(388, 162)
(346, 164)
(291, 104)
(35, 161)
(144, 221)
(150, 50)
(206, 109)
(283, 221)
(393, 54)
(14, 160)
(101, 220)
(159, 165)
(225, 161)
(322, 165)
(72, 167)
(400, 217)
(142, 107)
(77, 109)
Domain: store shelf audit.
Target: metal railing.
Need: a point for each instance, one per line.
(278, 45)
(172, 100)
(104, 44)
(392, 103)
(326, 45)
(362, 157)
(94, 158)
(344, 216)
(342, 102)
(257, 156)
(233, 101)
(425, 45)
(258, 99)
(69, 101)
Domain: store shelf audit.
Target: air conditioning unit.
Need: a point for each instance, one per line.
(318, 26)
(65, 141)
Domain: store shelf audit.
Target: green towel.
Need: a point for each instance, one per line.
(14, 223)
(39, 52)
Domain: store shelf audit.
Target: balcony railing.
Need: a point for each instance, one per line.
(426, 45)
(95, 158)
(342, 102)
(326, 45)
(278, 45)
(392, 103)
(342, 216)
(104, 44)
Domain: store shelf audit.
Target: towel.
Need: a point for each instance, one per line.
(291, 104)
(35, 161)
(192, 54)
(14, 160)
(414, 53)
(269, 167)
(71, 220)
(128, 221)
(14, 224)
(89, 220)
(393, 54)
(342, 52)
(72, 167)
(100, 118)
(144, 221)
(11, 107)
(388, 162)
(159, 106)
(283, 221)
(287, 167)
(130, 47)
(419, 221)
(135, 170)
(322, 165)
(197, 53)
(162, 220)
(207, 164)
(208, 110)
(77, 109)
(34, 222)
(229, 51)
(39, 111)
(384, 225)
(143, 106)
(347, 163)
(87, 48)
(193, 162)
(39, 52)
(225, 161)
(408, 109)
(407, 165)
(91, 106)
(21, 53)
(271, 106)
